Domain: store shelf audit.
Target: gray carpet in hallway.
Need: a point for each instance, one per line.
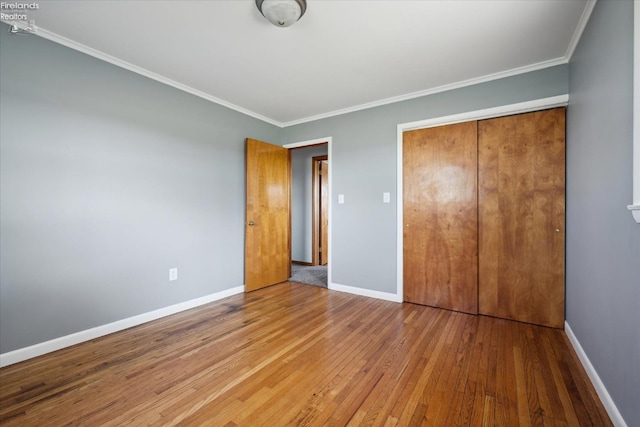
(311, 275)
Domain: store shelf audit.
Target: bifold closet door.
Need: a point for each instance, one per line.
(440, 217)
(521, 190)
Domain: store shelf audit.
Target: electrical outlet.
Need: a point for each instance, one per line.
(173, 274)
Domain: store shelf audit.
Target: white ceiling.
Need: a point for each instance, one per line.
(341, 56)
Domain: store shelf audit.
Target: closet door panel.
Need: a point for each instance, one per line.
(521, 186)
(440, 217)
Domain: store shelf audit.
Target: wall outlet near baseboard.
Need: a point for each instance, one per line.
(173, 274)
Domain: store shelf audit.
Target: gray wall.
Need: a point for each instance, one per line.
(107, 180)
(363, 162)
(302, 201)
(603, 241)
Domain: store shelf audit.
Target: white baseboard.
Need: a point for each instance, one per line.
(605, 397)
(365, 292)
(36, 350)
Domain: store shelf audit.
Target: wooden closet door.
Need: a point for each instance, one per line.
(440, 216)
(521, 180)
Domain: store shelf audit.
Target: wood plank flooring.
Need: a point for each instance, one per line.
(296, 355)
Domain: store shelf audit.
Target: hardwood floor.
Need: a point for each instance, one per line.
(294, 354)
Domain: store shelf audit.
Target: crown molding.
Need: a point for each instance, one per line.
(577, 34)
(439, 89)
(49, 35)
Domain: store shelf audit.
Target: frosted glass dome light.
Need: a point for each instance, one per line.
(282, 13)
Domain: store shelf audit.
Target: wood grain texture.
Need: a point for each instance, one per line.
(317, 208)
(268, 201)
(324, 212)
(441, 217)
(521, 217)
(296, 355)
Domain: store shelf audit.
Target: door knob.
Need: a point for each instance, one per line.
(557, 230)
(251, 223)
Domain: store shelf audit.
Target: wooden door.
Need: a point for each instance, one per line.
(521, 217)
(320, 210)
(268, 217)
(324, 212)
(440, 216)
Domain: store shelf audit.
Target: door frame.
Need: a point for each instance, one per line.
(488, 113)
(316, 216)
(329, 141)
(267, 164)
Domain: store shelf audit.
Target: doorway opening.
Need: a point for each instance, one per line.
(310, 212)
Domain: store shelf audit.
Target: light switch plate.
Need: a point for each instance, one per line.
(386, 197)
(341, 199)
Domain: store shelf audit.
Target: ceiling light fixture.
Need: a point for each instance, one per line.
(282, 13)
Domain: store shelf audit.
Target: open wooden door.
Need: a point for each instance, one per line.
(268, 215)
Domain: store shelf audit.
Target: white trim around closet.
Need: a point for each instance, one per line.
(504, 110)
(635, 207)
